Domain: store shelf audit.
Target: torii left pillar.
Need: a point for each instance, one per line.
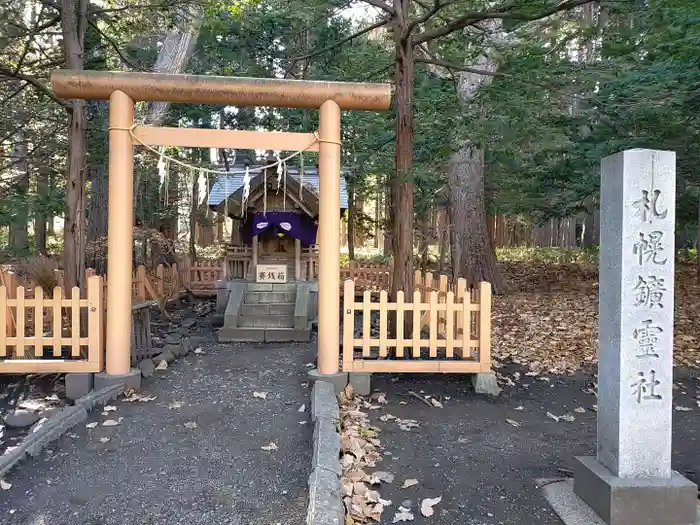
(120, 238)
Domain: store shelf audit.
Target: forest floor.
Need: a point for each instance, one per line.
(549, 320)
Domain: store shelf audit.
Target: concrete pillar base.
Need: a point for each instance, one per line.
(338, 380)
(629, 501)
(78, 384)
(131, 379)
(361, 382)
(486, 383)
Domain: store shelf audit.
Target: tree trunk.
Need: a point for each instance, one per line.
(42, 190)
(472, 255)
(697, 244)
(402, 184)
(18, 237)
(96, 257)
(424, 244)
(388, 224)
(50, 231)
(74, 21)
(351, 221)
(175, 52)
(193, 218)
(444, 239)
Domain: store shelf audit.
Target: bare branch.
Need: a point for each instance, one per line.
(115, 47)
(437, 5)
(161, 5)
(381, 5)
(503, 13)
(35, 83)
(13, 95)
(367, 29)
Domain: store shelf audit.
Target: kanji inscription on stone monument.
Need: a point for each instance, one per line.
(636, 312)
(630, 481)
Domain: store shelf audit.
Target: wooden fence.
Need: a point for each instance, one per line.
(168, 282)
(458, 335)
(69, 339)
(200, 278)
(237, 261)
(367, 276)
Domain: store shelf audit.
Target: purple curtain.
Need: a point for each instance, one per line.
(286, 222)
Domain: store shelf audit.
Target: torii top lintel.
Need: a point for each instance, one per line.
(237, 91)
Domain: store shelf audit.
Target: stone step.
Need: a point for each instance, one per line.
(266, 321)
(270, 287)
(269, 297)
(286, 334)
(241, 335)
(268, 308)
(259, 335)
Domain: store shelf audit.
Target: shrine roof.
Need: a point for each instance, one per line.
(227, 185)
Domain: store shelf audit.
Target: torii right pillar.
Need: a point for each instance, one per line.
(329, 248)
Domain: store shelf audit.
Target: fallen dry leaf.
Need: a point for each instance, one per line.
(4, 485)
(269, 448)
(580, 410)
(111, 422)
(134, 397)
(680, 408)
(426, 506)
(384, 477)
(260, 395)
(520, 408)
(409, 483)
(163, 365)
(389, 417)
(435, 402)
(402, 515)
(512, 422)
(552, 416)
(407, 424)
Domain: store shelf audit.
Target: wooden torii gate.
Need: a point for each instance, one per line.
(122, 90)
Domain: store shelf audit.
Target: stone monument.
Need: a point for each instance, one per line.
(630, 481)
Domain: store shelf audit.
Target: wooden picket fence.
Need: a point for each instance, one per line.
(458, 330)
(370, 277)
(69, 339)
(168, 282)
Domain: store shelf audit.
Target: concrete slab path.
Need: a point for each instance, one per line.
(154, 470)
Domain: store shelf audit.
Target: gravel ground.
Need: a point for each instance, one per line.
(483, 467)
(154, 470)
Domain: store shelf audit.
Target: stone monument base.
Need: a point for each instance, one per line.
(635, 501)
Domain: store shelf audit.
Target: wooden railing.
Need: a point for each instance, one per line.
(201, 277)
(309, 263)
(458, 335)
(52, 334)
(367, 276)
(237, 262)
